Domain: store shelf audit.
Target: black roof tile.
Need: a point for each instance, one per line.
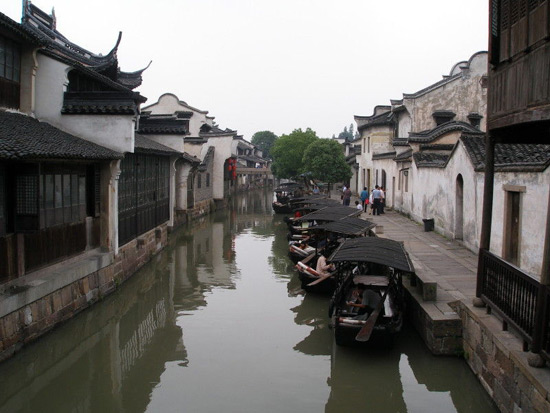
(508, 157)
(25, 138)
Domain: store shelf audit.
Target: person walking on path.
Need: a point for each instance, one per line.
(346, 197)
(376, 197)
(364, 198)
(382, 200)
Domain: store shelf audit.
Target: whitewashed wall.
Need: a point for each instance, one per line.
(115, 132)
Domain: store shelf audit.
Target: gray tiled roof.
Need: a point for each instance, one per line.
(430, 159)
(144, 144)
(25, 138)
(510, 157)
(385, 155)
(404, 155)
(432, 134)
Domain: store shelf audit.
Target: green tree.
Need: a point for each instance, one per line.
(346, 134)
(288, 151)
(264, 140)
(325, 160)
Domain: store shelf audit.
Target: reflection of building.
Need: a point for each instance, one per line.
(109, 359)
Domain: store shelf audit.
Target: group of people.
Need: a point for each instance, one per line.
(376, 199)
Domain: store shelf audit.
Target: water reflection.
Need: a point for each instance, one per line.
(218, 322)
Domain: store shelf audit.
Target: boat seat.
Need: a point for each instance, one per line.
(308, 269)
(304, 252)
(376, 280)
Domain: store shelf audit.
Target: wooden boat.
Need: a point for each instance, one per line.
(311, 280)
(327, 237)
(369, 298)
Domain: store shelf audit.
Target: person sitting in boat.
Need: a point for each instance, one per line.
(365, 300)
(322, 267)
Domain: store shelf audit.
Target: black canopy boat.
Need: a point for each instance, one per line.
(369, 298)
(329, 236)
(283, 194)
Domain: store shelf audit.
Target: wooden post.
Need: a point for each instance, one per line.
(487, 214)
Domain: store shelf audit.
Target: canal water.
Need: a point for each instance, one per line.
(217, 323)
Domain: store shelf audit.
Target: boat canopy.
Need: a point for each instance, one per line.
(376, 250)
(334, 213)
(347, 226)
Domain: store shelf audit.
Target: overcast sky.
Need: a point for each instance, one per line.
(278, 64)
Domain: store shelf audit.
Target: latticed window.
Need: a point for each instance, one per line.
(26, 202)
(63, 194)
(10, 73)
(144, 192)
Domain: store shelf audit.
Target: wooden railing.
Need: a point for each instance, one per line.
(510, 292)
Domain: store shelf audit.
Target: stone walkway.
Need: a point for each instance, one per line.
(450, 264)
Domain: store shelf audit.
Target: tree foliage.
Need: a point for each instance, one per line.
(325, 160)
(264, 140)
(288, 151)
(347, 134)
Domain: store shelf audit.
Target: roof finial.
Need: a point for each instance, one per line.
(54, 20)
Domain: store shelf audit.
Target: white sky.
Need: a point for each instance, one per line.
(278, 64)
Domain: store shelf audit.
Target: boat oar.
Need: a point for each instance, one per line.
(319, 280)
(366, 331)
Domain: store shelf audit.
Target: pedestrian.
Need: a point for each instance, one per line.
(364, 198)
(346, 197)
(358, 206)
(382, 199)
(376, 197)
(316, 190)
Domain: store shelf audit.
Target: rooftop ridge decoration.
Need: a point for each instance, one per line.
(23, 32)
(43, 26)
(432, 134)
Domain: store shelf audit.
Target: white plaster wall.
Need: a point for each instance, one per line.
(223, 145)
(434, 191)
(462, 95)
(172, 141)
(404, 126)
(169, 103)
(533, 207)
(115, 132)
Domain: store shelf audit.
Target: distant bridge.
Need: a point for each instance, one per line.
(253, 171)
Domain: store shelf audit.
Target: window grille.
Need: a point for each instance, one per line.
(27, 195)
(505, 14)
(10, 73)
(144, 191)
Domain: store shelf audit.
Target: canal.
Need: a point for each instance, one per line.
(217, 323)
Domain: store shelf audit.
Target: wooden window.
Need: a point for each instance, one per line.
(63, 195)
(199, 180)
(10, 73)
(207, 180)
(406, 180)
(144, 192)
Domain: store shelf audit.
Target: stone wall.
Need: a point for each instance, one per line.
(498, 360)
(34, 318)
(441, 333)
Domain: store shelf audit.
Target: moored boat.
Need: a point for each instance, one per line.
(369, 298)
